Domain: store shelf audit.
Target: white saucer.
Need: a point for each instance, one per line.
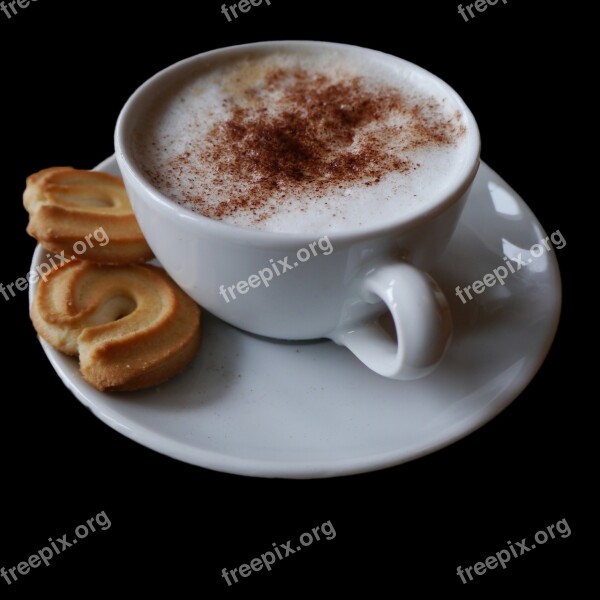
(256, 407)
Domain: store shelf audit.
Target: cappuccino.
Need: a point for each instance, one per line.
(304, 140)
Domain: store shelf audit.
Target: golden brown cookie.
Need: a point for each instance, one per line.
(131, 326)
(67, 207)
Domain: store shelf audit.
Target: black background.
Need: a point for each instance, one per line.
(67, 68)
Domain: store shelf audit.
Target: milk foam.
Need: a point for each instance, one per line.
(169, 145)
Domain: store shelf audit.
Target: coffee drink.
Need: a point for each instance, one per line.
(298, 141)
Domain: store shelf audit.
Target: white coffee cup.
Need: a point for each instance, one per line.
(341, 295)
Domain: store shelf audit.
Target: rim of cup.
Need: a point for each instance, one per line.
(450, 194)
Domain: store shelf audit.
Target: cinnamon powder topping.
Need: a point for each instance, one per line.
(303, 135)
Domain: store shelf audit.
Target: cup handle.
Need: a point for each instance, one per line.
(421, 317)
